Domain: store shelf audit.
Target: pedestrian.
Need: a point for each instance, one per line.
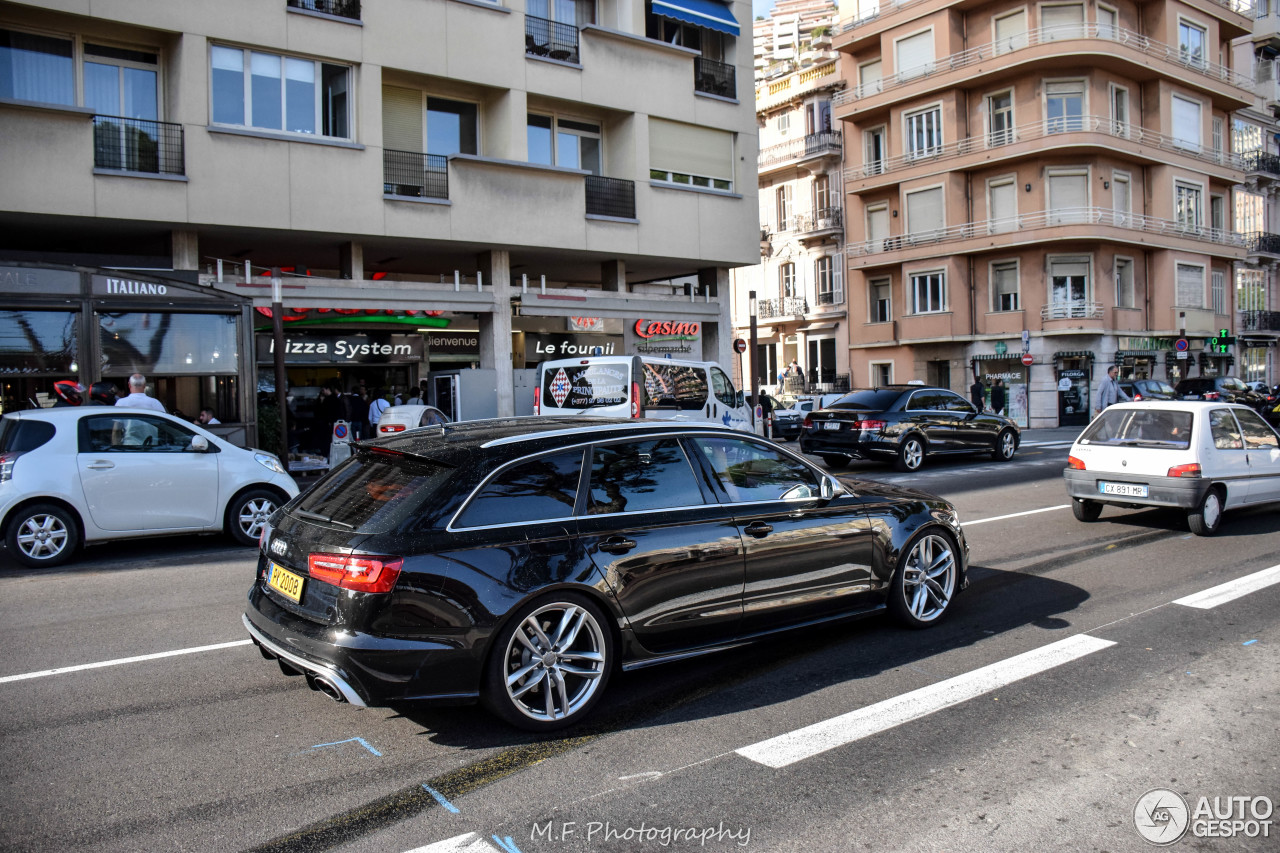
(138, 398)
(206, 417)
(997, 396)
(411, 396)
(978, 394)
(355, 411)
(376, 408)
(328, 410)
(1109, 390)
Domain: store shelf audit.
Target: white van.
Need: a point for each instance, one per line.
(633, 386)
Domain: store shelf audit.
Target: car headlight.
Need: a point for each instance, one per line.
(271, 463)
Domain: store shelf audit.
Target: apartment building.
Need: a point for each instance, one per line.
(1049, 178)
(799, 283)
(1255, 136)
(436, 184)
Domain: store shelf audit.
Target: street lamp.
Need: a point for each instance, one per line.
(755, 378)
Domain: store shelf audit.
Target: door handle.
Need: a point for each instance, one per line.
(101, 465)
(758, 529)
(617, 545)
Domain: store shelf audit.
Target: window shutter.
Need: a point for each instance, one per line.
(915, 55)
(877, 228)
(1186, 123)
(1068, 198)
(924, 211)
(1011, 32)
(837, 277)
(1004, 207)
(1062, 22)
(402, 119)
(1190, 284)
(869, 78)
(686, 149)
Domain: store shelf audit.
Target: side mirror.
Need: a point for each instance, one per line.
(199, 444)
(832, 488)
(740, 400)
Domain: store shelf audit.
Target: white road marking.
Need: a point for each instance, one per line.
(1014, 515)
(469, 843)
(62, 670)
(1231, 590)
(809, 741)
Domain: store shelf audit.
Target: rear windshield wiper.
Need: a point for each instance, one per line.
(326, 519)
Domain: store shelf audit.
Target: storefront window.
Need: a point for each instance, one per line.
(169, 343)
(37, 342)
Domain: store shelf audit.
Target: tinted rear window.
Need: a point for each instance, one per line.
(373, 492)
(537, 490)
(585, 386)
(867, 400)
(19, 435)
(1140, 428)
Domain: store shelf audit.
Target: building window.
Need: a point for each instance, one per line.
(1064, 106)
(924, 133)
(690, 155)
(1004, 286)
(914, 55)
(1218, 291)
(1062, 21)
(564, 142)
(1121, 197)
(881, 374)
(1125, 297)
(117, 81)
(926, 217)
(1010, 31)
(1188, 205)
(784, 207)
(1000, 113)
(829, 280)
(1119, 110)
(452, 127)
(869, 76)
(1186, 123)
(787, 280)
(268, 91)
(1069, 281)
(784, 123)
(37, 68)
(874, 153)
(1191, 39)
(1251, 289)
(1189, 283)
(928, 292)
(822, 197)
(881, 307)
(1068, 196)
(1002, 202)
(1108, 22)
(1250, 212)
(877, 228)
(1246, 137)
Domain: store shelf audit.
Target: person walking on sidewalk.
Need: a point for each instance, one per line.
(1109, 390)
(978, 394)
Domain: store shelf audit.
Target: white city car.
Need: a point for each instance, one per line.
(1203, 457)
(90, 474)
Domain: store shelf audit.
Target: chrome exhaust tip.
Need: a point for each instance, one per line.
(328, 688)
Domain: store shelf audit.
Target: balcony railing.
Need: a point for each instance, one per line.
(414, 175)
(138, 145)
(1045, 129)
(1076, 309)
(885, 7)
(1262, 243)
(552, 39)
(611, 197)
(714, 78)
(1259, 321)
(819, 220)
(787, 306)
(813, 145)
(828, 382)
(341, 8)
(1045, 35)
(1050, 218)
(1261, 161)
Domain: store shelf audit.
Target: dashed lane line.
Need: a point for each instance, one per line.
(1231, 590)
(63, 670)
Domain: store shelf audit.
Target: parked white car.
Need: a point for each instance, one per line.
(397, 419)
(1200, 456)
(79, 476)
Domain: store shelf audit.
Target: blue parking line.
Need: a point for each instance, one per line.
(440, 798)
(358, 740)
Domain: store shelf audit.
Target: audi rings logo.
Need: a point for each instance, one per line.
(1161, 816)
(278, 547)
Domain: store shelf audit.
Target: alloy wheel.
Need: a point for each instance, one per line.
(554, 662)
(42, 536)
(929, 578)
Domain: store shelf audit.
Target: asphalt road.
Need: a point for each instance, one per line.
(1065, 685)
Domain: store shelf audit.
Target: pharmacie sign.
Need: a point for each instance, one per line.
(343, 349)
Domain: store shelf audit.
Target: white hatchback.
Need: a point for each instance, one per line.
(79, 476)
(1200, 456)
(397, 419)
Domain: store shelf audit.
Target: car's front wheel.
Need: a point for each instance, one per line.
(247, 514)
(925, 582)
(1006, 446)
(832, 461)
(910, 454)
(1085, 510)
(43, 535)
(550, 663)
(1205, 519)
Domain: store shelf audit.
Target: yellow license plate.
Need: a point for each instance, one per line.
(285, 582)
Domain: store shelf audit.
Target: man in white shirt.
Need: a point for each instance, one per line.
(138, 398)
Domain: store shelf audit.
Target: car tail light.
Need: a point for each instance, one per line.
(1210, 395)
(1191, 469)
(868, 425)
(6, 465)
(391, 428)
(635, 400)
(1075, 462)
(808, 422)
(537, 401)
(360, 573)
(1136, 396)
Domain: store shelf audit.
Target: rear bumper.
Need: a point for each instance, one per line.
(844, 443)
(1180, 492)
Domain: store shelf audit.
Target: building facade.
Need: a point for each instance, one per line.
(437, 184)
(1037, 191)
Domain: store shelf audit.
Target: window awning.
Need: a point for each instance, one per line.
(701, 13)
(1075, 353)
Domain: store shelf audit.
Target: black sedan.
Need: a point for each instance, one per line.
(905, 424)
(520, 562)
